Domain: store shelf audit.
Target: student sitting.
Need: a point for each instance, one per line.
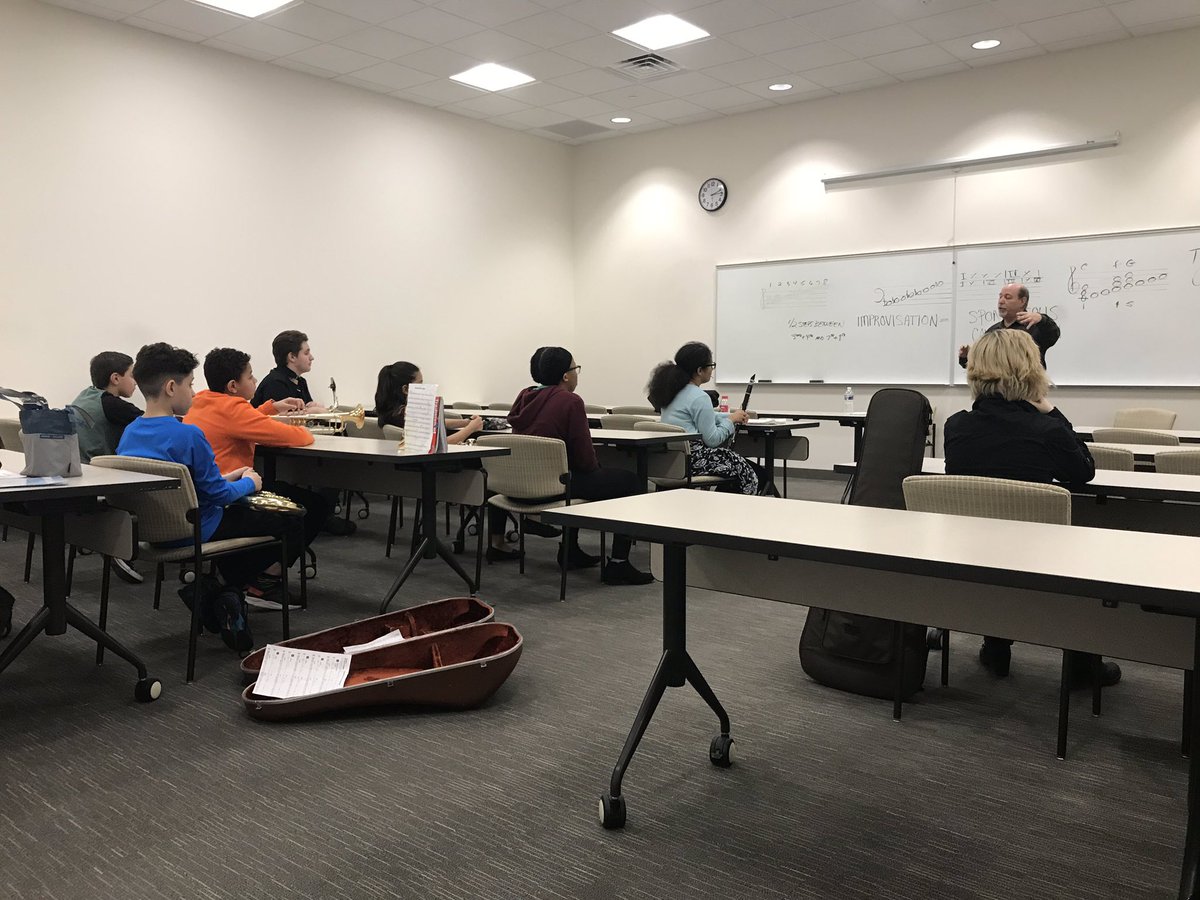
(674, 390)
(391, 399)
(164, 375)
(106, 413)
(233, 428)
(551, 408)
(1013, 431)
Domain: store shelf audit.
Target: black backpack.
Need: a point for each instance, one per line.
(857, 653)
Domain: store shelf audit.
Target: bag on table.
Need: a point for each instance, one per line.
(49, 435)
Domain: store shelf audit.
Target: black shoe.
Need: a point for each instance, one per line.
(235, 626)
(127, 572)
(577, 559)
(996, 657)
(933, 638)
(495, 554)
(210, 588)
(541, 530)
(623, 572)
(339, 526)
(1081, 672)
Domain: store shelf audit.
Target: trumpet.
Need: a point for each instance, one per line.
(326, 422)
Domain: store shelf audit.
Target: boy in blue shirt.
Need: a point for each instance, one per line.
(164, 375)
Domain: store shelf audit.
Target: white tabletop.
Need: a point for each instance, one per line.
(819, 414)
(377, 450)
(1143, 453)
(93, 482)
(1185, 437)
(1092, 562)
(631, 436)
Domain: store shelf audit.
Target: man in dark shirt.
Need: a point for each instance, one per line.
(293, 360)
(1013, 306)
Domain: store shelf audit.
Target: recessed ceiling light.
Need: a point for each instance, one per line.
(492, 77)
(620, 120)
(782, 86)
(658, 32)
(989, 44)
(251, 8)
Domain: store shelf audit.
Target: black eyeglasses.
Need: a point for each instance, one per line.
(575, 369)
(711, 365)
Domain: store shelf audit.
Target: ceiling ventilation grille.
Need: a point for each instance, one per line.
(646, 67)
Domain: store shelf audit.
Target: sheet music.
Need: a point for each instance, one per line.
(291, 672)
(422, 415)
(10, 479)
(392, 637)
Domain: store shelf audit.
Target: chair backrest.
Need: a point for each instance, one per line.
(500, 407)
(1178, 462)
(1134, 436)
(671, 459)
(533, 470)
(1114, 458)
(461, 404)
(162, 515)
(10, 435)
(595, 409)
(1144, 417)
(893, 447)
(623, 421)
(988, 498)
(392, 433)
(370, 430)
(635, 410)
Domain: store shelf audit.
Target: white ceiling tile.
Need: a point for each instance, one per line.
(491, 13)
(549, 135)
(264, 38)
(490, 105)
(191, 17)
(697, 117)
(917, 74)
(546, 64)
(957, 23)
(373, 11)
(534, 118)
(861, 15)
(1078, 24)
(364, 85)
(432, 25)
(437, 61)
(469, 113)
(1011, 40)
(1165, 25)
(413, 98)
(492, 46)
(843, 73)
(801, 7)
(869, 83)
(219, 44)
(724, 98)
(794, 97)
(169, 30)
(810, 56)
(742, 71)
(297, 66)
(110, 9)
(441, 91)
(381, 42)
(608, 15)
(782, 35)
(732, 15)
(540, 94)
(675, 108)
(592, 81)
(334, 58)
(393, 76)
(600, 50)
(502, 121)
(1087, 40)
(549, 29)
(95, 9)
(1144, 12)
(686, 83)
(315, 22)
(581, 107)
(881, 40)
(631, 96)
(709, 52)
(985, 59)
(920, 9)
(800, 86)
(748, 107)
(913, 59)
(1017, 12)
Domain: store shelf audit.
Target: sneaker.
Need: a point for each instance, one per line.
(210, 588)
(127, 572)
(495, 554)
(266, 592)
(235, 628)
(541, 530)
(1081, 672)
(623, 572)
(577, 559)
(933, 639)
(339, 526)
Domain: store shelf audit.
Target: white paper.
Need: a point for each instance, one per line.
(10, 479)
(424, 427)
(290, 672)
(769, 421)
(392, 637)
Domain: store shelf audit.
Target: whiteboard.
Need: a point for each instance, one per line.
(1128, 306)
(879, 319)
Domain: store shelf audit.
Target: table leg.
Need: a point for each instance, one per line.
(769, 489)
(54, 573)
(859, 427)
(675, 668)
(643, 467)
(1188, 887)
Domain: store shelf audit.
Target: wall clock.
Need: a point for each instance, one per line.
(713, 194)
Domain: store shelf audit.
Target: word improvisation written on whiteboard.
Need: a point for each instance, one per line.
(901, 320)
(911, 294)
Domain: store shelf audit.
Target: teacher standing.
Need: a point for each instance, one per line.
(1013, 306)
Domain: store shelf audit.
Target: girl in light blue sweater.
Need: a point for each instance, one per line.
(674, 390)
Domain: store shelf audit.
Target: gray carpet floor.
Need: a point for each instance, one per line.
(187, 797)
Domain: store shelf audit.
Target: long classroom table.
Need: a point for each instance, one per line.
(1115, 593)
(1185, 436)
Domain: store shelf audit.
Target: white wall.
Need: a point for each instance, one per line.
(645, 252)
(152, 189)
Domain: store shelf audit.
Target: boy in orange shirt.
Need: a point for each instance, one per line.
(234, 428)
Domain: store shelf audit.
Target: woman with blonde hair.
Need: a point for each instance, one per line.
(1013, 431)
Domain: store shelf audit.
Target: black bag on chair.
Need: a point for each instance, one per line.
(858, 653)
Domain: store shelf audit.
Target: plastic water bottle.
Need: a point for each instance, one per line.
(848, 400)
(724, 407)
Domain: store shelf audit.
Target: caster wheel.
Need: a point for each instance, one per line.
(612, 811)
(472, 529)
(187, 576)
(364, 514)
(459, 546)
(720, 751)
(310, 571)
(147, 690)
(512, 537)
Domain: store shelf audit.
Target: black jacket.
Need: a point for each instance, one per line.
(280, 384)
(1045, 334)
(997, 438)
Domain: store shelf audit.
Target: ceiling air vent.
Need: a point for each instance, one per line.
(646, 67)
